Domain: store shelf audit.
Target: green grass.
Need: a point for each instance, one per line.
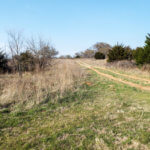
(103, 115)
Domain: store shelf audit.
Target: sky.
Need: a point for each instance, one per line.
(75, 25)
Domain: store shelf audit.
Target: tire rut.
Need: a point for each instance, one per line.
(114, 78)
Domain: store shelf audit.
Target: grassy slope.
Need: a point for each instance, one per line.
(101, 115)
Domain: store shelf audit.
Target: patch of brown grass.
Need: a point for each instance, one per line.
(36, 87)
(146, 67)
(124, 64)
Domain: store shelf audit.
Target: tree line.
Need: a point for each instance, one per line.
(36, 54)
(141, 55)
(26, 55)
(99, 49)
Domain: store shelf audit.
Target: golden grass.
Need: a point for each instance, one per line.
(35, 87)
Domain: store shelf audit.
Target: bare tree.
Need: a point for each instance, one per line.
(16, 46)
(88, 53)
(42, 51)
(103, 48)
(65, 57)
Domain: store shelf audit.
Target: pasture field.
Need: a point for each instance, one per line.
(82, 104)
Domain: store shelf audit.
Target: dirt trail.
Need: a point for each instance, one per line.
(125, 75)
(114, 78)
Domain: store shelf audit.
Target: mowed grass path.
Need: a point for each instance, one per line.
(138, 82)
(100, 114)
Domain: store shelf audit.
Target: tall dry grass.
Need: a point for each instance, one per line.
(33, 88)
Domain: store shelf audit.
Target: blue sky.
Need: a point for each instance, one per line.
(74, 25)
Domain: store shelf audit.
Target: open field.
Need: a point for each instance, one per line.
(93, 106)
(34, 88)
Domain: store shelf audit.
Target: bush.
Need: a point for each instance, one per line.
(119, 52)
(27, 61)
(99, 55)
(3, 63)
(77, 56)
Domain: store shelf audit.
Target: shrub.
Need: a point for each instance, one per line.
(77, 57)
(119, 52)
(3, 63)
(27, 61)
(99, 55)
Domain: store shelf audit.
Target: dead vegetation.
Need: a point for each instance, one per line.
(124, 64)
(33, 88)
(146, 67)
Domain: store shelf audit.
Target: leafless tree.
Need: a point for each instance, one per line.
(88, 53)
(42, 51)
(65, 57)
(103, 48)
(16, 46)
